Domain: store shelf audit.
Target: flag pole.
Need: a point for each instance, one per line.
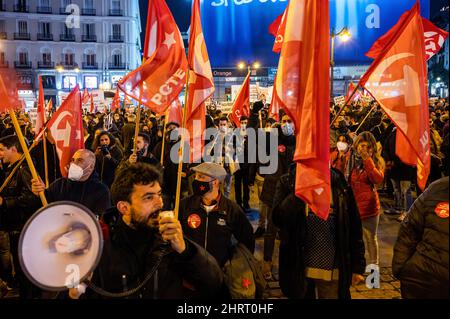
(181, 151)
(164, 137)
(26, 152)
(44, 141)
(345, 105)
(138, 123)
(366, 117)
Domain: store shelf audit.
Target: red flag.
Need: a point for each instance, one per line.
(397, 80)
(201, 84)
(175, 113)
(160, 79)
(434, 38)
(302, 87)
(92, 110)
(115, 105)
(241, 105)
(277, 29)
(350, 89)
(50, 105)
(274, 111)
(8, 91)
(86, 96)
(41, 118)
(66, 127)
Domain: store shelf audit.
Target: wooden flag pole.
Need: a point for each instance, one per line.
(26, 152)
(345, 105)
(138, 124)
(44, 141)
(366, 117)
(181, 151)
(164, 138)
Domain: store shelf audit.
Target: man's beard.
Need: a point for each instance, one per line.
(149, 223)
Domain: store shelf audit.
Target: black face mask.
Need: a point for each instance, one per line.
(201, 188)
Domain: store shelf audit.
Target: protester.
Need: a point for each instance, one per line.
(108, 156)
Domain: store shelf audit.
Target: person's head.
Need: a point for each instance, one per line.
(142, 143)
(342, 143)
(81, 166)
(262, 97)
(287, 126)
(145, 129)
(208, 177)
(136, 192)
(105, 138)
(244, 122)
(131, 118)
(171, 127)
(116, 117)
(367, 142)
(223, 124)
(10, 149)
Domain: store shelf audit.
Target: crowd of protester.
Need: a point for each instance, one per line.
(318, 258)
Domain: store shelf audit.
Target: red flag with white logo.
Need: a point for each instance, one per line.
(175, 113)
(397, 80)
(277, 29)
(303, 89)
(86, 96)
(434, 38)
(66, 126)
(41, 118)
(160, 79)
(115, 105)
(201, 84)
(241, 105)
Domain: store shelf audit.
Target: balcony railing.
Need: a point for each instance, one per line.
(116, 12)
(118, 66)
(4, 65)
(89, 38)
(115, 38)
(67, 37)
(69, 65)
(45, 37)
(3, 36)
(46, 65)
(90, 66)
(44, 10)
(63, 11)
(21, 36)
(88, 12)
(21, 8)
(22, 65)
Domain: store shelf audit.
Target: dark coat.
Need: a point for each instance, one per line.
(215, 230)
(129, 256)
(18, 199)
(128, 131)
(289, 215)
(399, 171)
(92, 193)
(106, 167)
(421, 252)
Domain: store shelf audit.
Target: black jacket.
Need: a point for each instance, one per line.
(18, 200)
(289, 215)
(421, 252)
(128, 131)
(92, 193)
(106, 167)
(216, 228)
(130, 254)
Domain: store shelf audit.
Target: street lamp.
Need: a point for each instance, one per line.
(345, 36)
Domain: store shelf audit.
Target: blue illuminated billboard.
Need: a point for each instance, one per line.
(237, 30)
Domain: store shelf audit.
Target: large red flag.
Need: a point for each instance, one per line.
(66, 127)
(86, 96)
(274, 111)
(115, 102)
(201, 84)
(277, 29)
(303, 89)
(92, 110)
(175, 113)
(241, 105)
(9, 98)
(434, 38)
(41, 118)
(160, 79)
(397, 80)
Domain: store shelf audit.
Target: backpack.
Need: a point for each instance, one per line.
(243, 275)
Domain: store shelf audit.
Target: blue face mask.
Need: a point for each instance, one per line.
(287, 129)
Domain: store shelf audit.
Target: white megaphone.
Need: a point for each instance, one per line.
(60, 246)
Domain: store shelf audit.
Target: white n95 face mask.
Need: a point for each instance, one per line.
(75, 172)
(342, 146)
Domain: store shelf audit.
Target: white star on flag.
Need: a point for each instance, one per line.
(169, 39)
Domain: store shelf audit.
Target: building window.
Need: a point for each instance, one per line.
(2, 25)
(89, 4)
(89, 30)
(69, 59)
(69, 82)
(45, 28)
(23, 58)
(117, 30)
(47, 58)
(90, 59)
(44, 3)
(67, 31)
(117, 59)
(22, 27)
(115, 5)
(2, 58)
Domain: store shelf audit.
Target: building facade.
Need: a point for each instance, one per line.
(92, 43)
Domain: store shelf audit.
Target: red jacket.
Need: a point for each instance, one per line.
(363, 183)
